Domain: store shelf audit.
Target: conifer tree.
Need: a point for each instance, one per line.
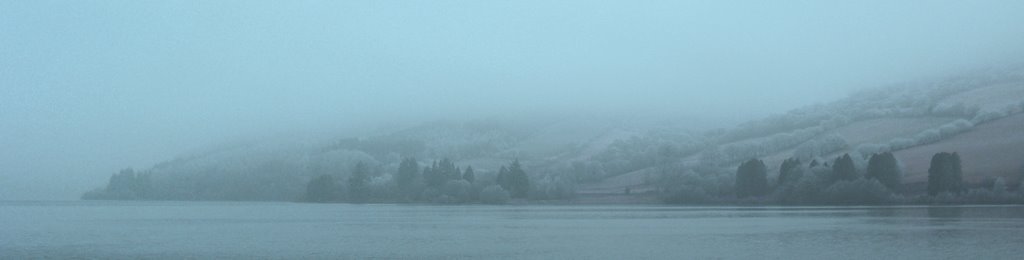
(751, 179)
(519, 181)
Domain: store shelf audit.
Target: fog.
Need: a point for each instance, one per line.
(89, 87)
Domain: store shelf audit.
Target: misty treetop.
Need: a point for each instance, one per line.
(126, 184)
(440, 182)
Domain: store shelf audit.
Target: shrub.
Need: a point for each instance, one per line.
(820, 146)
(868, 149)
(900, 143)
(806, 190)
(927, 137)
(458, 190)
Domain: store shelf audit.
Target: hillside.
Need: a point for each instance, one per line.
(978, 117)
(976, 114)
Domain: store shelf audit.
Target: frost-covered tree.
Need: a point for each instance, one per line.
(751, 179)
(820, 146)
(712, 157)
(987, 115)
(901, 143)
(927, 137)
(886, 169)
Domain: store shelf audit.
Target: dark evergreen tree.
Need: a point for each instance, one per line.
(945, 174)
(751, 179)
(884, 168)
(447, 171)
(441, 172)
(789, 172)
(407, 176)
(358, 183)
(469, 175)
(813, 163)
(321, 189)
(503, 178)
(518, 180)
(843, 169)
(957, 179)
(433, 177)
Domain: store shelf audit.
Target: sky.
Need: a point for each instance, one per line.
(90, 87)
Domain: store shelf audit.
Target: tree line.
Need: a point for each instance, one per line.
(840, 182)
(439, 182)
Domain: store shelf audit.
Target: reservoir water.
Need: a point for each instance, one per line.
(247, 230)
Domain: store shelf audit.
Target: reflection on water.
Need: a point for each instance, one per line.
(945, 213)
(286, 230)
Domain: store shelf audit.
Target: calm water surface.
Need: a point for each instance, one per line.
(177, 230)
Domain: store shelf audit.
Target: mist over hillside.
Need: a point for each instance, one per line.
(525, 129)
(89, 87)
(593, 156)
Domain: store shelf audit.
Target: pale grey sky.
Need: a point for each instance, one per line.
(88, 87)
